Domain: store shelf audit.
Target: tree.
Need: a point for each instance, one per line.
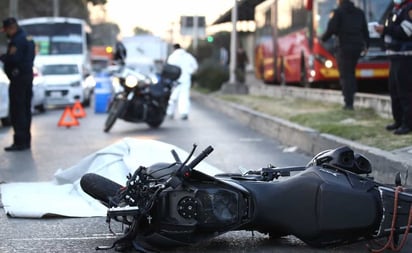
(104, 34)
(97, 2)
(44, 8)
(139, 30)
(35, 8)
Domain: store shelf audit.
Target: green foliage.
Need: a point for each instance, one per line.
(104, 34)
(97, 2)
(211, 75)
(204, 51)
(138, 30)
(36, 8)
(222, 39)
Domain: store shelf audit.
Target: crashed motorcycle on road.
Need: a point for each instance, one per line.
(141, 99)
(331, 201)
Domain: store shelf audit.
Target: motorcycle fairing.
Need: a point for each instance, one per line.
(202, 207)
(319, 206)
(403, 202)
(195, 212)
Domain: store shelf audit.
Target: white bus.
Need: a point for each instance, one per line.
(61, 40)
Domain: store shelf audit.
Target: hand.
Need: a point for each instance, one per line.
(379, 28)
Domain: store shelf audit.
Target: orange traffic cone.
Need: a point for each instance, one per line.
(68, 119)
(78, 110)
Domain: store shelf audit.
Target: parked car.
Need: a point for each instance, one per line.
(65, 84)
(4, 98)
(38, 101)
(39, 92)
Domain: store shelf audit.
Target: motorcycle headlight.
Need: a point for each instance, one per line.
(154, 79)
(131, 81)
(116, 81)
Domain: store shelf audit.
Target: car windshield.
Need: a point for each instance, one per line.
(60, 69)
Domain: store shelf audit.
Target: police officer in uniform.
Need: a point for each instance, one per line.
(18, 65)
(120, 53)
(348, 24)
(397, 33)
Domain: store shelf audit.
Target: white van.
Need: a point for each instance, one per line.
(4, 98)
(64, 83)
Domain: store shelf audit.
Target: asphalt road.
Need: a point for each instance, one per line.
(56, 147)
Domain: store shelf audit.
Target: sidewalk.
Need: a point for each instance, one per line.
(385, 164)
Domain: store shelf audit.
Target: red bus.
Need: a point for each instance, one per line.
(288, 48)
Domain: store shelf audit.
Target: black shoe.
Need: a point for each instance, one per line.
(185, 117)
(16, 147)
(402, 130)
(392, 126)
(348, 107)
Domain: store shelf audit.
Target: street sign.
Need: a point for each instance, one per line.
(193, 26)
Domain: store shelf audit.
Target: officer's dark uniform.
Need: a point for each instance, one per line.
(18, 65)
(398, 39)
(348, 23)
(120, 53)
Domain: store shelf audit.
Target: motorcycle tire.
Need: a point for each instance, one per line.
(99, 187)
(115, 110)
(155, 123)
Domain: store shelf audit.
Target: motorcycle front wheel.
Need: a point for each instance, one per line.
(115, 110)
(155, 123)
(99, 187)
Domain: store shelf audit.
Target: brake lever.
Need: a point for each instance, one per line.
(176, 156)
(184, 170)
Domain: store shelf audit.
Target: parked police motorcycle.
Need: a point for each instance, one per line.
(331, 201)
(141, 99)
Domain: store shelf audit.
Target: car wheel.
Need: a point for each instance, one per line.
(6, 121)
(41, 108)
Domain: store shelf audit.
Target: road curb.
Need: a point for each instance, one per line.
(385, 164)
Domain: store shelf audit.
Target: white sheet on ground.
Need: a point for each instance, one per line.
(63, 195)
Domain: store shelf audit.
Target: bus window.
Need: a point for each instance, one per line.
(323, 10)
(375, 10)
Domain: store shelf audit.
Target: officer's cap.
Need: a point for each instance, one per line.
(7, 22)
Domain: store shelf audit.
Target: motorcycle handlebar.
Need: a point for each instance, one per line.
(200, 157)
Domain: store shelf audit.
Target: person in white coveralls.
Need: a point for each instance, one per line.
(179, 102)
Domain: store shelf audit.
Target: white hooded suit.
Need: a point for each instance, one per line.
(180, 97)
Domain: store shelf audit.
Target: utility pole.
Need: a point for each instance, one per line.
(233, 42)
(195, 33)
(233, 86)
(56, 8)
(13, 7)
